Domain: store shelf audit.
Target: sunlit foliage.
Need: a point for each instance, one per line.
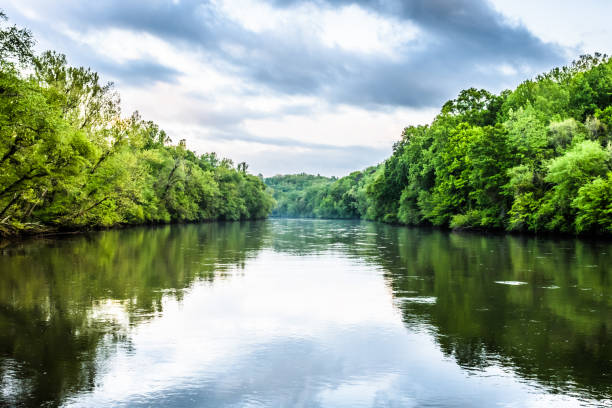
(68, 159)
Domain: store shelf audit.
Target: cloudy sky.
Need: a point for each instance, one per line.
(321, 86)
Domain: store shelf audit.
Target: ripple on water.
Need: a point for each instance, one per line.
(423, 300)
(511, 283)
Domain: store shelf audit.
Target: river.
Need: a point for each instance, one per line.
(305, 313)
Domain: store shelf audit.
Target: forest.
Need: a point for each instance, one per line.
(307, 196)
(70, 160)
(534, 159)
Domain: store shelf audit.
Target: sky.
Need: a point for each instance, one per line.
(322, 86)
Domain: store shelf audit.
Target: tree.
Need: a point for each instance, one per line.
(593, 206)
(15, 43)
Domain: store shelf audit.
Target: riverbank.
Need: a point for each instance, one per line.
(9, 234)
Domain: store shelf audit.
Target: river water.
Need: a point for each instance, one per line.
(305, 313)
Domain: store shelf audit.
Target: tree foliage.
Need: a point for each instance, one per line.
(308, 196)
(69, 159)
(534, 159)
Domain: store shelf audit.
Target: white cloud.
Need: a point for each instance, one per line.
(354, 29)
(581, 26)
(350, 28)
(342, 126)
(120, 45)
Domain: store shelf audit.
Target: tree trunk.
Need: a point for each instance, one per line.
(29, 212)
(10, 204)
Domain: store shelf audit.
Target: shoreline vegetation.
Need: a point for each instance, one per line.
(536, 159)
(70, 161)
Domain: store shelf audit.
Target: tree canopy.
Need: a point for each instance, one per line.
(538, 158)
(69, 159)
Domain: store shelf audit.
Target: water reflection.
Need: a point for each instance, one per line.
(304, 313)
(65, 304)
(555, 326)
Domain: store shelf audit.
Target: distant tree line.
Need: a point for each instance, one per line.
(69, 159)
(538, 158)
(308, 196)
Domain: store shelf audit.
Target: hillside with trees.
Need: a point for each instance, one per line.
(308, 196)
(534, 159)
(69, 159)
(537, 159)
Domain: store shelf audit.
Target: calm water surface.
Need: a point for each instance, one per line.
(303, 313)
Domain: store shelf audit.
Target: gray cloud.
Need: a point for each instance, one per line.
(139, 72)
(462, 43)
